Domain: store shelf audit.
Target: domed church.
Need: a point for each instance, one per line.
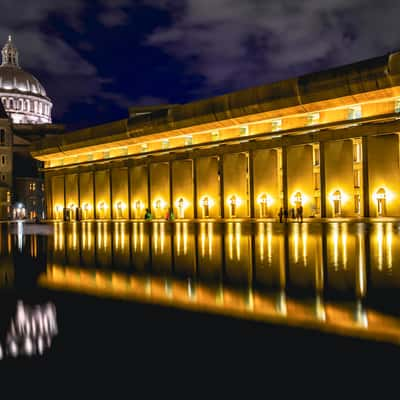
(25, 115)
(23, 96)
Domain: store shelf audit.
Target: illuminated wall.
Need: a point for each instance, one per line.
(300, 177)
(139, 191)
(120, 195)
(182, 188)
(236, 187)
(266, 183)
(103, 198)
(159, 189)
(57, 189)
(208, 186)
(339, 176)
(384, 173)
(71, 191)
(86, 194)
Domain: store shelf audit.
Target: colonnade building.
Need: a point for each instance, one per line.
(328, 141)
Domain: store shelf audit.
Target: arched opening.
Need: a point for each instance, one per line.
(158, 205)
(264, 201)
(120, 206)
(298, 200)
(72, 210)
(58, 212)
(102, 210)
(181, 205)
(337, 203)
(138, 208)
(85, 210)
(233, 203)
(205, 204)
(381, 202)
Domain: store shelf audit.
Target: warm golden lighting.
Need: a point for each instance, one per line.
(120, 207)
(206, 202)
(265, 201)
(58, 212)
(298, 199)
(181, 205)
(159, 205)
(233, 202)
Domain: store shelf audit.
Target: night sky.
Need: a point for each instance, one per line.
(98, 57)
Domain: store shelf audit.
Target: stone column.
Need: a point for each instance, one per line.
(322, 179)
(365, 177)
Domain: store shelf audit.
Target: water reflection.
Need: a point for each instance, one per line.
(326, 275)
(30, 331)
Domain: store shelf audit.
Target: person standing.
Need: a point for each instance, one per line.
(286, 214)
(301, 213)
(280, 214)
(147, 215)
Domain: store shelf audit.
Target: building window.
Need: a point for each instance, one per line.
(8, 197)
(214, 136)
(32, 186)
(357, 178)
(188, 141)
(42, 187)
(3, 178)
(2, 137)
(313, 118)
(397, 106)
(317, 181)
(244, 131)
(3, 160)
(276, 125)
(355, 112)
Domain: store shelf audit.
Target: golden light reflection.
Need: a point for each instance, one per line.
(234, 239)
(181, 238)
(206, 238)
(206, 203)
(352, 318)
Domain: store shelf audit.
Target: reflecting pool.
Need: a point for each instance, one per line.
(339, 278)
(334, 277)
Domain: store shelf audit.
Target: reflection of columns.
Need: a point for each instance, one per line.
(361, 278)
(322, 178)
(284, 178)
(365, 178)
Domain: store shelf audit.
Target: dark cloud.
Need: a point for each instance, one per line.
(67, 76)
(236, 43)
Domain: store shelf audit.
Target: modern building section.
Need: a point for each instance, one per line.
(23, 97)
(326, 143)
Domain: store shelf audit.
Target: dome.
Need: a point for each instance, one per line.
(23, 96)
(17, 80)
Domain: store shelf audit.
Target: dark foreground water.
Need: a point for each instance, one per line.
(200, 301)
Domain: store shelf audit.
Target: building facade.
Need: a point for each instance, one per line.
(326, 141)
(25, 115)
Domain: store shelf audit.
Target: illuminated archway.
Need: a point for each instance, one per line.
(85, 210)
(120, 207)
(233, 203)
(102, 209)
(381, 202)
(181, 205)
(337, 203)
(264, 201)
(206, 203)
(298, 199)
